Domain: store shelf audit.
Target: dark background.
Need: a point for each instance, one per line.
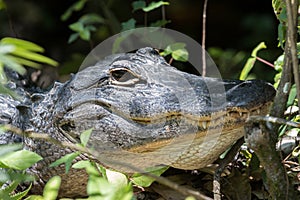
(234, 28)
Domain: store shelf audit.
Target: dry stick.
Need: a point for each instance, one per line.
(291, 9)
(264, 142)
(274, 120)
(203, 38)
(96, 155)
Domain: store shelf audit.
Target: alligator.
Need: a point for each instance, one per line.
(143, 112)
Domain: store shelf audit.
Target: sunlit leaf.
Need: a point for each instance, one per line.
(116, 178)
(251, 61)
(77, 27)
(66, 159)
(146, 181)
(85, 35)
(23, 44)
(34, 56)
(7, 148)
(6, 48)
(20, 195)
(20, 160)
(180, 55)
(85, 136)
(154, 5)
(28, 63)
(88, 166)
(51, 188)
(11, 62)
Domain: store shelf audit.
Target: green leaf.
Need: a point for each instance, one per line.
(20, 160)
(173, 47)
(77, 27)
(260, 46)
(154, 5)
(87, 165)
(11, 187)
(130, 24)
(247, 68)
(137, 5)
(5, 90)
(75, 7)
(66, 159)
(35, 197)
(85, 136)
(91, 18)
(98, 186)
(2, 5)
(85, 35)
(160, 23)
(73, 37)
(146, 181)
(6, 48)
(20, 195)
(180, 55)
(51, 189)
(117, 179)
(11, 62)
(251, 61)
(28, 63)
(34, 56)
(23, 44)
(292, 95)
(7, 148)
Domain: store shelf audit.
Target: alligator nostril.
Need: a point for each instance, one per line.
(67, 127)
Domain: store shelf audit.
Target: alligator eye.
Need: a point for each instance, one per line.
(123, 76)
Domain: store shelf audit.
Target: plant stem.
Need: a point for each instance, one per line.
(203, 38)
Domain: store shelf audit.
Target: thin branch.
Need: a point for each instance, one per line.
(97, 156)
(274, 120)
(203, 38)
(264, 61)
(292, 10)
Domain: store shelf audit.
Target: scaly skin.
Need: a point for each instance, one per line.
(143, 112)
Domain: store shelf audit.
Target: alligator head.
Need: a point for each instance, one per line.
(144, 112)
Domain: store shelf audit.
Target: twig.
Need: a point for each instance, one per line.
(203, 38)
(97, 156)
(264, 61)
(274, 120)
(291, 10)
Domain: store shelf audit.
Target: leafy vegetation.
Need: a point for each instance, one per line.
(104, 183)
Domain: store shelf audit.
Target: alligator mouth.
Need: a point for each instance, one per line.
(203, 122)
(224, 122)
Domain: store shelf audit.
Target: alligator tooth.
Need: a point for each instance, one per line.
(241, 114)
(204, 125)
(258, 111)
